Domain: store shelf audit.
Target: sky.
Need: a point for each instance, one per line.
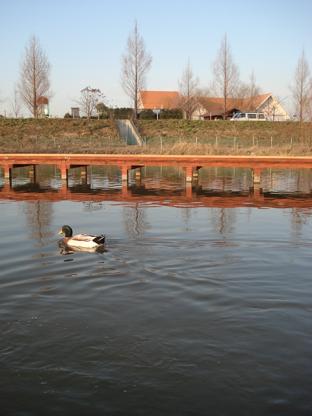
(84, 42)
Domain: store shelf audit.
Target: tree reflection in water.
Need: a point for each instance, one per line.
(134, 218)
(39, 217)
(223, 220)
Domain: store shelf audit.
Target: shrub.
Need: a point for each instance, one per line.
(123, 113)
(174, 113)
(147, 115)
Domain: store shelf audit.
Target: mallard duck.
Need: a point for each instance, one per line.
(83, 241)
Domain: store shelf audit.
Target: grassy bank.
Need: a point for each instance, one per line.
(207, 130)
(227, 137)
(58, 135)
(162, 136)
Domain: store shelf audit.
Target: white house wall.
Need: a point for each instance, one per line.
(273, 110)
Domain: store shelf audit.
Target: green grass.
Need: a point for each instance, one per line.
(58, 135)
(160, 136)
(189, 130)
(226, 137)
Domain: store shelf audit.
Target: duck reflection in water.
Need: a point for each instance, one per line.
(65, 249)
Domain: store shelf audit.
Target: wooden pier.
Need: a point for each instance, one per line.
(190, 163)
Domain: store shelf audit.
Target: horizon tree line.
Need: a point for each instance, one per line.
(34, 80)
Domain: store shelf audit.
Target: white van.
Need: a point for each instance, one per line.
(249, 117)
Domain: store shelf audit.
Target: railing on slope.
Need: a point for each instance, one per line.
(128, 132)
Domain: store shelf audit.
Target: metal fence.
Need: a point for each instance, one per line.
(229, 142)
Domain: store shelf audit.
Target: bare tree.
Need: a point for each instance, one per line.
(189, 91)
(89, 99)
(16, 103)
(34, 75)
(309, 111)
(302, 88)
(253, 88)
(247, 92)
(226, 74)
(135, 63)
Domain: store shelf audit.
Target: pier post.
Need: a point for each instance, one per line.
(7, 185)
(124, 173)
(189, 174)
(257, 192)
(138, 174)
(84, 173)
(124, 189)
(63, 190)
(256, 189)
(256, 173)
(189, 189)
(7, 171)
(196, 173)
(64, 171)
(33, 173)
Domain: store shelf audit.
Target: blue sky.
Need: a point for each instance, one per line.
(84, 42)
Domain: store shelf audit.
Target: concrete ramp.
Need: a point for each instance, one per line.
(128, 132)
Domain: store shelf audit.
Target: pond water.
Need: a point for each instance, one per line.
(193, 309)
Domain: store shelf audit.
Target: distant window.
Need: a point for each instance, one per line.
(261, 116)
(242, 115)
(252, 115)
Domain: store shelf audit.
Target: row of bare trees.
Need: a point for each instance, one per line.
(35, 77)
(226, 84)
(226, 81)
(34, 80)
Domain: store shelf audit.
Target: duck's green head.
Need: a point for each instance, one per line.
(66, 230)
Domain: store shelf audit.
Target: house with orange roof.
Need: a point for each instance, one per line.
(269, 105)
(211, 108)
(158, 100)
(262, 103)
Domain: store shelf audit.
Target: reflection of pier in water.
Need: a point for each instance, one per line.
(127, 180)
(193, 196)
